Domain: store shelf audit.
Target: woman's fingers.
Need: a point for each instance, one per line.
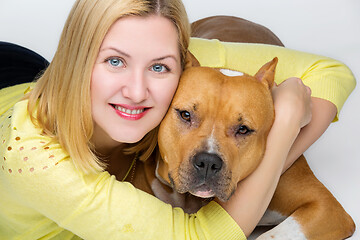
(292, 101)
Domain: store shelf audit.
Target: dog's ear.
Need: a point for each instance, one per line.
(191, 61)
(266, 74)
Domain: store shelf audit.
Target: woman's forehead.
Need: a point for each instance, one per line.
(152, 36)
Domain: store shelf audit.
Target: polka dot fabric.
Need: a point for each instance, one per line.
(23, 151)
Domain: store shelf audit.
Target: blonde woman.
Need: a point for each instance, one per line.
(109, 85)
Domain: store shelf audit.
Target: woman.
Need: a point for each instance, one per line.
(109, 85)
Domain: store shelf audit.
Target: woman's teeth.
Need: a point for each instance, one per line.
(128, 111)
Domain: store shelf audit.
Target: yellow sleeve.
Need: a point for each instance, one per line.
(328, 79)
(42, 194)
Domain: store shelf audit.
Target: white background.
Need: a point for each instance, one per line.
(324, 27)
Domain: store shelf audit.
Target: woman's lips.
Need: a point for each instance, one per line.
(130, 112)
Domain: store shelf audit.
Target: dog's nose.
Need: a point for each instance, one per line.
(207, 164)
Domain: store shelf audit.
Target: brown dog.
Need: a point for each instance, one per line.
(214, 135)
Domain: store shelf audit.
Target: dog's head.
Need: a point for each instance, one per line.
(214, 134)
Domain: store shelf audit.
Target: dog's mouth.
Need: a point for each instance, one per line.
(200, 189)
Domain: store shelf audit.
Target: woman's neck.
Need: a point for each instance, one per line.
(103, 144)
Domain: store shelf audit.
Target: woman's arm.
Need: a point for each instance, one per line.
(293, 111)
(323, 113)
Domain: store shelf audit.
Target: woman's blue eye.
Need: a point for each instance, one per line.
(115, 62)
(159, 68)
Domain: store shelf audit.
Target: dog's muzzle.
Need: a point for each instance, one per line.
(206, 174)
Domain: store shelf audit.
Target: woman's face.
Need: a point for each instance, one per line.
(134, 79)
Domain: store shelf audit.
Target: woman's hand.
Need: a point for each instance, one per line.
(292, 102)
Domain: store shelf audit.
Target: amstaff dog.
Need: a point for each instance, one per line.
(214, 135)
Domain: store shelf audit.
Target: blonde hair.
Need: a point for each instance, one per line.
(60, 102)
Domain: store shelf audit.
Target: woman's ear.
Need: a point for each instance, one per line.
(191, 61)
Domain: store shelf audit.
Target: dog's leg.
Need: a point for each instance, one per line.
(313, 212)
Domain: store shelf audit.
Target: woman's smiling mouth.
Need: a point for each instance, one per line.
(130, 113)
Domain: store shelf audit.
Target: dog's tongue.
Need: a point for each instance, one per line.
(204, 194)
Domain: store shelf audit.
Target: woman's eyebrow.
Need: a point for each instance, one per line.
(116, 50)
(164, 57)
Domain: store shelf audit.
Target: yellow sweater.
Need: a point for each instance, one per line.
(43, 195)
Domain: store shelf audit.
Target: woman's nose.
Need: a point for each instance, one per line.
(136, 87)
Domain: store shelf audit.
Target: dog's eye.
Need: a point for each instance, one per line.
(243, 130)
(185, 115)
